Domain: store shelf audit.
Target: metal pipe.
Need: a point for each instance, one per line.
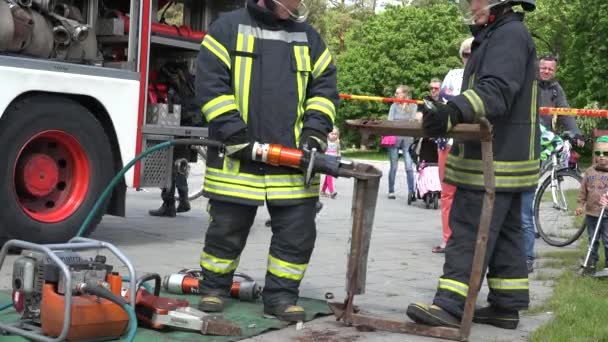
(25, 3)
(45, 6)
(61, 35)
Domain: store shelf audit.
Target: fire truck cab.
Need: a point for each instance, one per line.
(83, 93)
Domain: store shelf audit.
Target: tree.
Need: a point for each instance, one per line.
(402, 45)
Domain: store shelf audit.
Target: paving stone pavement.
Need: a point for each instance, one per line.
(401, 267)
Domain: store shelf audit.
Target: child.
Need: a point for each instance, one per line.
(333, 148)
(593, 195)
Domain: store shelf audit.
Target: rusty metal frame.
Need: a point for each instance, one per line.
(360, 239)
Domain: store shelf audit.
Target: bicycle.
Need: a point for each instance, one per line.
(555, 199)
(202, 156)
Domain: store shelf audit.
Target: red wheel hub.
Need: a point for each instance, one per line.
(51, 176)
(41, 174)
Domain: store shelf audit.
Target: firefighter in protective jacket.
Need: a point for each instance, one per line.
(499, 84)
(263, 75)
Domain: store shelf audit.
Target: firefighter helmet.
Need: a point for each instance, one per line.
(465, 6)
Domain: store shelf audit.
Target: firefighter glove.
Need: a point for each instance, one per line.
(311, 138)
(238, 145)
(439, 118)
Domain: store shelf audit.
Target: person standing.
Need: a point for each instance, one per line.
(401, 111)
(499, 84)
(265, 75)
(450, 87)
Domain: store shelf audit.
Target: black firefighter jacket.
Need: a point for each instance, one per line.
(499, 83)
(275, 78)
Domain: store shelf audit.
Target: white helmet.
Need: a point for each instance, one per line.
(465, 7)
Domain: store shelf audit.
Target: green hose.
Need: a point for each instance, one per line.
(108, 190)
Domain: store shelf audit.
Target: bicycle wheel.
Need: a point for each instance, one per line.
(554, 209)
(197, 171)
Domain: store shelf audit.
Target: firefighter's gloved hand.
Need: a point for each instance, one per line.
(238, 145)
(311, 138)
(439, 118)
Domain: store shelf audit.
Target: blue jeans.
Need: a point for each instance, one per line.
(527, 222)
(393, 154)
(602, 235)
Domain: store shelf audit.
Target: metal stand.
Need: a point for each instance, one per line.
(361, 234)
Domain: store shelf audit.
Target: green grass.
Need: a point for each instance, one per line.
(579, 304)
(380, 155)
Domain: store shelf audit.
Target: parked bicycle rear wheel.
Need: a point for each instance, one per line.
(196, 175)
(554, 209)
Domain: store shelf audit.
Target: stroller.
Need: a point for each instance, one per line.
(428, 184)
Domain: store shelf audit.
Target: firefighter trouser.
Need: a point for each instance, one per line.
(505, 256)
(179, 180)
(293, 239)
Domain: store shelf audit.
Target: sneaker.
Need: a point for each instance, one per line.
(333, 195)
(536, 235)
(530, 264)
(210, 303)
(501, 318)
(412, 196)
(391, 195)
(432, 315)
(285, 312)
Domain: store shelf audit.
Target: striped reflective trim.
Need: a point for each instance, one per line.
(302, 58)
(323, 105)
(533, 118)
(478, 107)
(321, 64)
(499, 166)
(218, 265)
(454, 286)
(238, 178)
(217, 49)
(288, 37)
(476, 179)
(242, 73)
(293, 192)
(233, 190)
(288, 180)
(218, 106)
(284, 269)
(508, 284)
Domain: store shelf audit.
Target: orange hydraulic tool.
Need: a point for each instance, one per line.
(309, 161)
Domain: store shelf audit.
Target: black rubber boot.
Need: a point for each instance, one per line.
(184, 203)
(502, 318)
(285, 312)
(432, 315)
(167, 209)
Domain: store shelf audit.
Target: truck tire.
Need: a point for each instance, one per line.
(59, 160)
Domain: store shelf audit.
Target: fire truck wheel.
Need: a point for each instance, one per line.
(59, 162)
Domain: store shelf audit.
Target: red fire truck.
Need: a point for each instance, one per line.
(80, 99)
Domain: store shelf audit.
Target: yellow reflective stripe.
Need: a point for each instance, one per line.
(508, 284)
(302, 58)
(476, 179)
(288, 180)
(454, 286)
(238, 178)
(217, 49)
(246, 85)
(293, 192)
(478, 106)
(499, 166)
(218, 265)
(284, 269)
(323, 105)
(238, 72)
(218, 106)
(321, 64)
(533, 118)
(228, 189)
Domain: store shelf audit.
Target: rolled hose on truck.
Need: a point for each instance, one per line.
(108, 191)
